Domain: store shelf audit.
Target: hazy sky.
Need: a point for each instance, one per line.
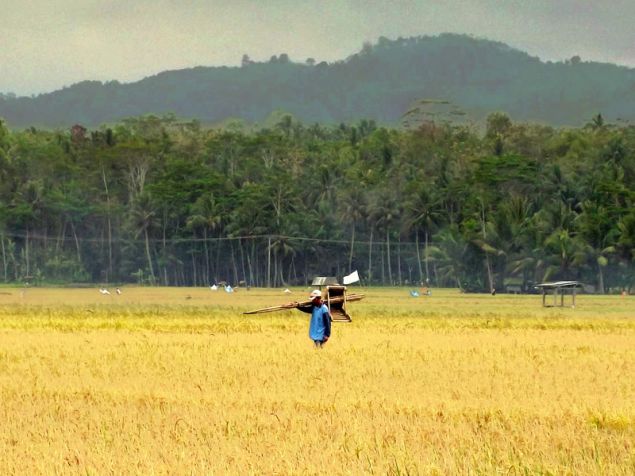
(46, 44)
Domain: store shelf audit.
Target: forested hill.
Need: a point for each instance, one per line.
(381, 82)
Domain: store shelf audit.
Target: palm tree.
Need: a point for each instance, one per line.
(626, 248)
(449, 255)
(352, 210)
(600, 233)
(490, 246)
(142, 217)
(562, 252)
(514, 228)
(206, 216)
(422, 214)
(282, 247)
(385, 212)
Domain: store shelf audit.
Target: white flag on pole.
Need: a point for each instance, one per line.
(351, 278)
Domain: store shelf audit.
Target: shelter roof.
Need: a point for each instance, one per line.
(560, 284)
(324, 281)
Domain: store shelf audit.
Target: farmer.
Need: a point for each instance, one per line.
(320, 326)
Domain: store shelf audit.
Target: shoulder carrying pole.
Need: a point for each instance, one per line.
(335, 300)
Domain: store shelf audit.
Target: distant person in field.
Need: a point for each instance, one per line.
(320, 325)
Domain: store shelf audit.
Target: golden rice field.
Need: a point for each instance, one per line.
(178, 381)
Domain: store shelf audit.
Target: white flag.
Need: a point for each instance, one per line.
(351, 278)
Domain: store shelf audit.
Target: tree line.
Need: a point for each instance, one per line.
(156, 200)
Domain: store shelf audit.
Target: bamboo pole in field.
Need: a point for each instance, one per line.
(294, 305)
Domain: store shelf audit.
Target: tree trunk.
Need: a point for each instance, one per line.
(60, 239)
(4, 258)
(217, 264)
(399, 278)
(79, 255)
(194, 275)
(242, 259)
(249, 267)
(425, 252)
(252, 262)
(148, 256)
(165, 251)
(350, 257)
(383, 266)
(600, 279)
(418, 258)
(490, 275)
(26, 253)
(370, 256)
(289, 272)
(206, 247)
(275, 268)
(235, 269)
(436, 276)
(488, 265)
(269, 262)
(110, 267)
(390, 280)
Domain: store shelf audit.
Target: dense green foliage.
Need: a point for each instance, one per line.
(156, 200)
(381, 82)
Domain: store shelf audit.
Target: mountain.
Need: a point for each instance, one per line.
(383, 81)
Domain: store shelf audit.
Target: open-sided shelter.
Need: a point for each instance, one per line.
(559, 288)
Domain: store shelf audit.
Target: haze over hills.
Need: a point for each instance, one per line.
(381, 82)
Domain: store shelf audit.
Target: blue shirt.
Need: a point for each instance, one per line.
(320, 325)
